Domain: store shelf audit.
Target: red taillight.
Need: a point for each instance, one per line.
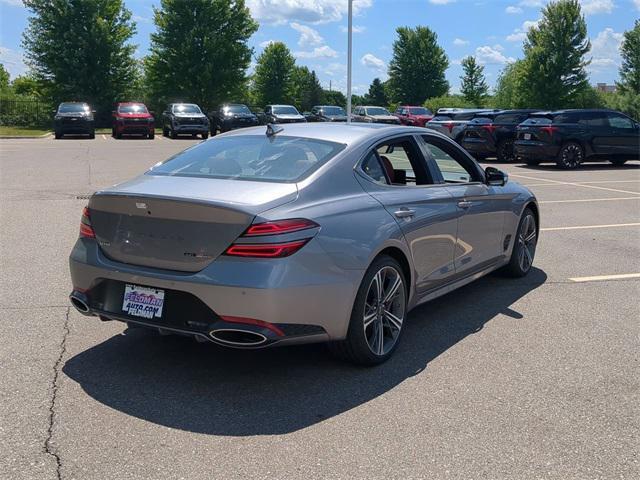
(86, 230)
(449, 126)
(279, 227)
(265, 250)
(490, 127)
(253, 321)
(549, 130)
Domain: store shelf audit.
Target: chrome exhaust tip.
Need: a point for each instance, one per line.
(237, 337)
(80, 303)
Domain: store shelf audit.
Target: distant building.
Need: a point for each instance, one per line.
(603, 87)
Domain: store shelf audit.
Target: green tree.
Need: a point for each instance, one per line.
(273, 77)
(335, 97)
(510, 88)
(630, 68)
(377, 94)
(416, 71)
(26, 85)
(307, 90)
(80, 50)
(474, 85)
(4, 79)
(199, 52)
(555, 51)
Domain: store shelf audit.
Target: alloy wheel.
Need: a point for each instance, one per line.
(384, 310)
(507, 153)
(571, 156)
(527, 242)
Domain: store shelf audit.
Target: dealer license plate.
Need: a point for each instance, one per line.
(527, 136)
(142, 301)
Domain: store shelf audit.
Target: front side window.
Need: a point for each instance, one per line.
(452, 169)
(619, 121)
(251, 157)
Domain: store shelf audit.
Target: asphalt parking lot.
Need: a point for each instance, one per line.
(529, 378)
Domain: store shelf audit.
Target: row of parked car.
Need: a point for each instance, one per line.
(566, 137)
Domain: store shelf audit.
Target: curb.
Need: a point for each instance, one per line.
(14, 137)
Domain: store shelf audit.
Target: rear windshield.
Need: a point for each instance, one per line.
(285, 111)
(537, 121)
(185, 108)
(481, 121)
(73, 107)
(333, 111)
(419, 111)
(132, 109)
(441, 118)
(251, 157)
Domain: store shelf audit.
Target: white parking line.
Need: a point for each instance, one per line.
(590, 200)
(602, 278)
(547, 184)
(104, 137)
(586, 227)
(577, 184)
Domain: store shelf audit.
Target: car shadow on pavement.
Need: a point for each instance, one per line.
(176, 382)
(549, 167)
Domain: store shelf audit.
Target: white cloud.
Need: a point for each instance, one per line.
(334, 68)
(519, 34)
(12, 61)
(279, 12)
(459, 42)
(318, 52)
(13, 3)
(140, 19)
(512, 10)
(492, 55)
(592, 7)
(371, 61)
(637, 2)
(266, 43)
(357, 28)
(308, 36)
(531, 3)
(605, 50)
(441, 2)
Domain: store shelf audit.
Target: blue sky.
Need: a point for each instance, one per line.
(315, 31)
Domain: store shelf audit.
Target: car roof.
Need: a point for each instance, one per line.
(323, 106)
(280, 105)
(337, 132)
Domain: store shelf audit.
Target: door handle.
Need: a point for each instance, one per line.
(404, 213)
(464, 204)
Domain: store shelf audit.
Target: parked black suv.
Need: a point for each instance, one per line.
(327, 113)
(184, 118)
(492, 134)
(230, 116)
(74, 118)
(570, 137)
(282, 114)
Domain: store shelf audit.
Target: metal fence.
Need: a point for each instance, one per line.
(25, 112)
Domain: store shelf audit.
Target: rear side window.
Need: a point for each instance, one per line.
(568, 118)
(594, 120)
(275, 159)
(532, 121)
(464, 116)
(620, 121)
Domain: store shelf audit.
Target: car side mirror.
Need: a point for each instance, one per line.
(495, 177)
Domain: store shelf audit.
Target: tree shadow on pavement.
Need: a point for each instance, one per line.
(176, 382)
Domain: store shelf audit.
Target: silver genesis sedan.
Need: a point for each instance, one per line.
(299, 233)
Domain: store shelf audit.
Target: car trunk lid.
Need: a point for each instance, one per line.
(178, 223)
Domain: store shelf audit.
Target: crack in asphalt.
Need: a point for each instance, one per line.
(48, 447)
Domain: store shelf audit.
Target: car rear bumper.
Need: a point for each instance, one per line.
(534, 150)
(277, 292)
(479, 146)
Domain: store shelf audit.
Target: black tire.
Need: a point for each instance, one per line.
(505, 151)
(205, 136)
(118, 135)
(113, 132)
(152, 134)
(524, 246)
(533, 163)
(92, 135)
(173, 134)
(618, 163)
(362, 339)
(571, 156)
(58, 135)
(165, 131)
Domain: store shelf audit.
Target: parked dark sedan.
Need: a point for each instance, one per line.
(327, 113)
(492, 134)
(571, 137)
(230, 116)
(282, 114)
(184, 118)
(74, 118)
(373, 114)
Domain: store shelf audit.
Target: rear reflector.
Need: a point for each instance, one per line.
(490, 127)
(86, 230)
(266, 250)
(253, 321)
(549, 130)
(279, 227)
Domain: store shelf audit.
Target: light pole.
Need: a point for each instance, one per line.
(349, 32)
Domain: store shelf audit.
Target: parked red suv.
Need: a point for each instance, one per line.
(415, 116)
(132, 118)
